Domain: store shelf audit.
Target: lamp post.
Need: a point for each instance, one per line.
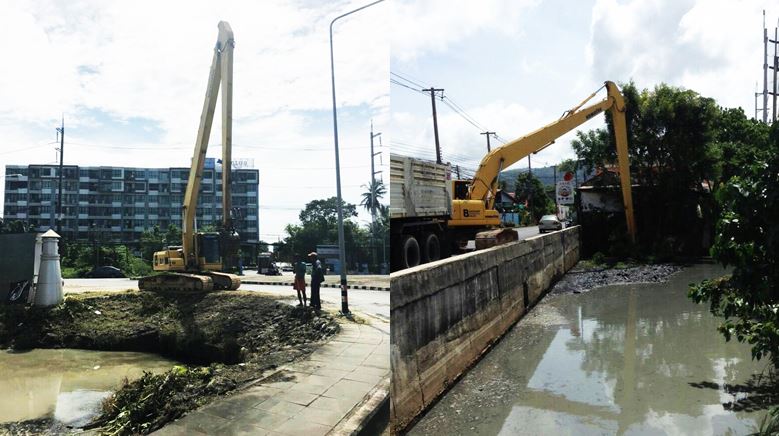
(341, 249)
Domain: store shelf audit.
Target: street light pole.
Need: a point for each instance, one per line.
(341, 248)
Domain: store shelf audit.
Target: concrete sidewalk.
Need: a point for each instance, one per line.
(316, 396)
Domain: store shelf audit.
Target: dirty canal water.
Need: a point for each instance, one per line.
(66, 386)
(623, 359)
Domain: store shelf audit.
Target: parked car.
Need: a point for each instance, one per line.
(549, 223)
(287, 267)
(106, 272)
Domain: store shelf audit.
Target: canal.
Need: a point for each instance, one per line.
(66, 386)
(621, 359)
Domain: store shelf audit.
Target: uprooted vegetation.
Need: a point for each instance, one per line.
(230, 338)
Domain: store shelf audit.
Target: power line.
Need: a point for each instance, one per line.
(395, 82)
(408, 78)
(28, 148)
(447, 100)
(325, 148)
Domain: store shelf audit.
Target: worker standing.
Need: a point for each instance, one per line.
(300, 280)
(317, 277)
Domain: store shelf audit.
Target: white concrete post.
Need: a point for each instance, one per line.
(49, 292)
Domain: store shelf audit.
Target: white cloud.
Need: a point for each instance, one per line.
(713, 47)
(426, 26)
(106, 65)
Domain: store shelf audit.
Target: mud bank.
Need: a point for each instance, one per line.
(229, 338)
(581, 279)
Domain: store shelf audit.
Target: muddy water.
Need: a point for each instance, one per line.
(623, 359)
(65, 385)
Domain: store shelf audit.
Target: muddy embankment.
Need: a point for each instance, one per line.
(584, 278)
(223, 339)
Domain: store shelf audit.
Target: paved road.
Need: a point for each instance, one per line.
(372, 303)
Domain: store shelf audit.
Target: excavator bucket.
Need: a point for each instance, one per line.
(491, 238)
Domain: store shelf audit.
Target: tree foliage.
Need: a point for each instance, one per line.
(676, 139)
(371, 198)
(747, 239)
(154, 239)
(530, 189)
(15, 226)
(319, 226)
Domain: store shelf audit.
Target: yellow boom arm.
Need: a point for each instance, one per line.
(484, 185)
(221, 71)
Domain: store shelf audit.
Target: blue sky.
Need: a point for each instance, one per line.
(130, 78)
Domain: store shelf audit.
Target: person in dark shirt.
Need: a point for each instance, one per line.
(317, 277)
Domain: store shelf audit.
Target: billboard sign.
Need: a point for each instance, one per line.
(564, 192)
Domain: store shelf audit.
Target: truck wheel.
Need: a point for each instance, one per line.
(409, 252)
(432, 248)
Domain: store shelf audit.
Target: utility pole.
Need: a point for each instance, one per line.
(341, 243)
(373, 193)
(775, 41)
(765, 71)
(432, 92)
(488, 139)
(373, 174)
(457, 171)
(61, 132)
(529, 169)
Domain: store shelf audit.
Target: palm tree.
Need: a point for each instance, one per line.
(371, 198)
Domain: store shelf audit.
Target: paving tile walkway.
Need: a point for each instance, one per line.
(310, 397)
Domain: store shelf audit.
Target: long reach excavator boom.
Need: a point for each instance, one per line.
(198, 263)
(483, 188)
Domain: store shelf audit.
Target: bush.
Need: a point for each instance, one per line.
(747, 239)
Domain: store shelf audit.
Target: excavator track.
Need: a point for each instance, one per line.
(177, 282)
(224, 281)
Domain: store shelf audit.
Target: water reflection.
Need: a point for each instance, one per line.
(66, 385)
(619, 360)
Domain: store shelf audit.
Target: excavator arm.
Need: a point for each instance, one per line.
(221, 72)
(484, 185)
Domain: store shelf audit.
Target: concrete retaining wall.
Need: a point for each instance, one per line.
(446, 313)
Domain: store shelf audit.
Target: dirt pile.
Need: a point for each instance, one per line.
(579, 279)
(234, 336)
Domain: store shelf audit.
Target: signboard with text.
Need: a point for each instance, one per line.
(564, 192)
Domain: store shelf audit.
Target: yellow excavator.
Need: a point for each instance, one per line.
(476, 206)
(423, 230)
(197, 264)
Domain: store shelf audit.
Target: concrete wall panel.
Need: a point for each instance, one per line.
(445, 314)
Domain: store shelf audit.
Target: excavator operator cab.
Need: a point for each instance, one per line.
(460, 189)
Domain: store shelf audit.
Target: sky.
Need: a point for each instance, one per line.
(515, 66)
(129, 77)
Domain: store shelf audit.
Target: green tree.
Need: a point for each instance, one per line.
(530, 189)
(319, 226)
(371, 198)
(673, 150)
(567, 165)
(739, 142)
(15, 226)
(154, 239)
(747, 239)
